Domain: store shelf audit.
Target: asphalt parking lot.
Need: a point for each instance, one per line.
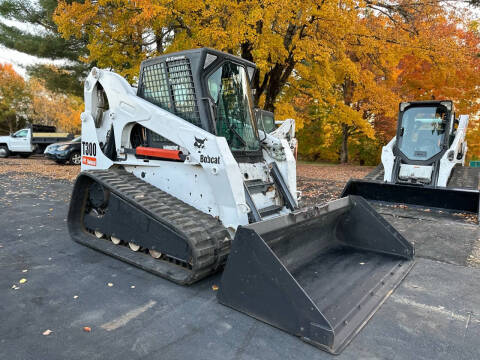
(131, 314)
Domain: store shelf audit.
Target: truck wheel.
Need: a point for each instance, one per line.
(75, 158)
(4, 152)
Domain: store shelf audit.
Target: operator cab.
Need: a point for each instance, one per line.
(208, 88)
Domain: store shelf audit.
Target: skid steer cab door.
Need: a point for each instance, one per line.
(317, 273)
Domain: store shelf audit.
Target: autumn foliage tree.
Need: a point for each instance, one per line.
(14, 99)
(57, 109)
(338, 67)
(30, 101)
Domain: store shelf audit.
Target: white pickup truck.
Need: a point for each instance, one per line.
(31, 140)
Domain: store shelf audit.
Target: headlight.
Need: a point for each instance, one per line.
(63, 147)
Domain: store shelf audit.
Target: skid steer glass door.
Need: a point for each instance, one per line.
(422, 132)
(230, 90)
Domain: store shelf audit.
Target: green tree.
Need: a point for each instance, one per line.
(44, 43)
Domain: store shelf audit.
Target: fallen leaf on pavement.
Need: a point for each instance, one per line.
(23, 281)
(110, 284)
(214, 287)
(47, 332)
(87, 329)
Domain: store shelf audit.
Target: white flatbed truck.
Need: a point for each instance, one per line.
(31, 140)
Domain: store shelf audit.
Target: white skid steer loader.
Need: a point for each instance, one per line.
(176, 179)
(424, 165)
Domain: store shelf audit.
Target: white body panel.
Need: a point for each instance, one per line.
(388, 159)
(210, 179)
(417, 172)
(455, 154)
(286, 131)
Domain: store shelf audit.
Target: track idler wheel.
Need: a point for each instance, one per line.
(115, 240)
(155, 254)
(133, 246)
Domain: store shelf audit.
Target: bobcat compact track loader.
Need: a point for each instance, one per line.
(176, 172)
(424, 164)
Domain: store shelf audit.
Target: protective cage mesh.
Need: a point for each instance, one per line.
(170, 85)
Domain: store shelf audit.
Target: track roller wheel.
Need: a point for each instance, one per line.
(98, 234)
(155, 254)
(115, 240)
(133, 246)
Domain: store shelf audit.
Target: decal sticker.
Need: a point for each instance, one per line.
(90, 161)
(420, 153)
(209, 159)
(174, 58)
(89, 148)
(199, 143)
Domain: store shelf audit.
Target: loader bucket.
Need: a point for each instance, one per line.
(317, 273)
(450, 199)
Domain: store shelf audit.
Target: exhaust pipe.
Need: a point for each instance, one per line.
(317, 273)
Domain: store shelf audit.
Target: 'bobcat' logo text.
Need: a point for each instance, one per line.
(209, 159)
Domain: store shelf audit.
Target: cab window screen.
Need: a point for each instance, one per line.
(169, 84)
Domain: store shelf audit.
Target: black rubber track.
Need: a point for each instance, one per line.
(464, 178)
(376, 174)
(207, 238)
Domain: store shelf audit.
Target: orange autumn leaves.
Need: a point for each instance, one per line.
(60, 110)
(14, 97)
(30, 100)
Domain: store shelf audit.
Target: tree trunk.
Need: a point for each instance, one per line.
(348, 90)
(275, 79)
(344, 149)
